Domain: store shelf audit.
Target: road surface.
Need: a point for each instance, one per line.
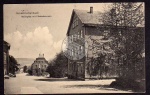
(24, 84)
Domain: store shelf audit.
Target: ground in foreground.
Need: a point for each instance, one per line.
(24, 84)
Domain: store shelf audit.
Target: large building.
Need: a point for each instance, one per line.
(6, 48)
(88, 25)
(39, 66)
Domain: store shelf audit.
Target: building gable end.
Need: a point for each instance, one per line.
(71, 21)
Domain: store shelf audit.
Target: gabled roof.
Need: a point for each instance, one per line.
(86, 17)
(89, 18)
(6, 43)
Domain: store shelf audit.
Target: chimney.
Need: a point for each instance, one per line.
(43, 55)
(91, 10)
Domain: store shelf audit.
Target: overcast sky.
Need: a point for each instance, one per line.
(30, 36)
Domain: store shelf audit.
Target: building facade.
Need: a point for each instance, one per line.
(39, 66)
(88, 25)
(6, 48)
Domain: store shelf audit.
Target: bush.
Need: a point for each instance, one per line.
(58, 67)
(131, 84)
(29, 71)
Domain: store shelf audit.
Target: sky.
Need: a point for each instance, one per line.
(31, 36)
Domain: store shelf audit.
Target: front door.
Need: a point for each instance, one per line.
(76, 70)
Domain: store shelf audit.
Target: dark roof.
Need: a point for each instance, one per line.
(86, 17)
(41, 59)
(4, 42)
(89, 18)
(6, 45)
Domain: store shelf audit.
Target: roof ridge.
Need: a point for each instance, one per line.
(86, 17)
(86, 10)
(78, 15)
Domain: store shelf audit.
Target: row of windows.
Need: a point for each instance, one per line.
(77, 67)
(39, 61)
(80, 34)
(75, 22)
(77, 36)
(106, 32)
(41, 66)
(76, 51)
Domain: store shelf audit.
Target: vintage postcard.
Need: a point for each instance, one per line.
(74, 48)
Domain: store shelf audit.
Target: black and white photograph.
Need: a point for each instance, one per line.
(74, 48)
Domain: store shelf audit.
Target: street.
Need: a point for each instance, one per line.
(25, 84)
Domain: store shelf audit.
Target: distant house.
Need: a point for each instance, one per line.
(39, 66)
(88, 25)
(6, 48)
(10, 63)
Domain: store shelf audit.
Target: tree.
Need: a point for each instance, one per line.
(13, 67)
(25, 69)
(124, 14)
(128, 39)
(58, 66)
(29, 70)
(100, 49)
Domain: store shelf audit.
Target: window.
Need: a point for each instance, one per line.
(45, 66)
(81, 67)
(78, 35)
(72, 52)
(81, 48)
(120, 33)
(73, 25)
(75, 52)
(42, 70)
(69, 53)
(72, 38)
(81, 34)
(78, 50)
(72, 67)
(106, 32)
(75, 37)
(77, 21)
